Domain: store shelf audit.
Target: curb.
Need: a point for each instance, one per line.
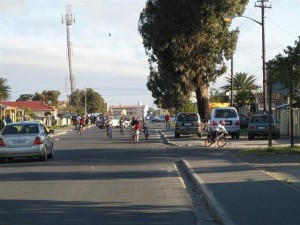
(218, 212)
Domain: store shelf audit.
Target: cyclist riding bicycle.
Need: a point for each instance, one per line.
(81, 124)
(136, 129)
(219, 130)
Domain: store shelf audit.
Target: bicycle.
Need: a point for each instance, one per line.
(221, 140)
(133, 138)
(122, 129)
(146, 132)
(80, 129)
(109, 132)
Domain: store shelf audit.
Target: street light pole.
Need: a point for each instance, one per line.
(262, 24)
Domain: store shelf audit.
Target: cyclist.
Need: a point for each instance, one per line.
(81, 123)
(121, 124)
(108, 124)
(136, 129)
(219, 130)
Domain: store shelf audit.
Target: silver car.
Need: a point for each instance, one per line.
(188, 123)
(26, 139)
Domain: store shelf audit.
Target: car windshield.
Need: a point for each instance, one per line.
(21, 129)
(261, 119)
(225, 113)
(187, 117)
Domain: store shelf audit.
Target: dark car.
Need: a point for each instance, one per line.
(188, 123)
(259, 126)
(244, 121)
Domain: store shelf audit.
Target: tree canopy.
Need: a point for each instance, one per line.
(187, 43)
(89, 98)
(5, 90)
(241, 82)
(286, 69)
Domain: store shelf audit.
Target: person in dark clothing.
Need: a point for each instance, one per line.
(8, 119)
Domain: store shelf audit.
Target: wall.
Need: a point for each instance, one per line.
(283, 115)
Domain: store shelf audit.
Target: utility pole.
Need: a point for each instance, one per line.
(69, 20)
(262, 5)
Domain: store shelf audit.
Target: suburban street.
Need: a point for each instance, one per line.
(93, 180)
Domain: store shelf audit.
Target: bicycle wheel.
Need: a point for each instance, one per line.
(208, 142)
(132, 139)
(146, 134)
(110, 133)
(221, 141)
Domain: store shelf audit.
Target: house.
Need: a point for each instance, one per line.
(38, 108)
(14, 113)
(128, 110)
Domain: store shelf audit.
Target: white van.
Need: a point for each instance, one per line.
(231, 118)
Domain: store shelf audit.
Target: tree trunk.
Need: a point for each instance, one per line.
(203, 102)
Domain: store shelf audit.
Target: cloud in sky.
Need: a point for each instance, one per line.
(33, 50)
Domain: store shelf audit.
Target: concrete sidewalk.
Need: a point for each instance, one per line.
(238, 194)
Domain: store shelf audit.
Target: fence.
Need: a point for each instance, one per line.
(283, 115)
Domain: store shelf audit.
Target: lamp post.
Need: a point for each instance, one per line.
(262, 24)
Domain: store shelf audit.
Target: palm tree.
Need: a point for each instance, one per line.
(241, 82)
(4, 90)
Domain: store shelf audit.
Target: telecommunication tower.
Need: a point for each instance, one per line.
(69, 20)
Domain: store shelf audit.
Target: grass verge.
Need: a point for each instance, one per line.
(269, 151)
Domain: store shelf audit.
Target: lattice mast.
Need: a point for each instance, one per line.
(69, 20)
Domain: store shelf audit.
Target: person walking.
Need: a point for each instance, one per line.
(167, 119)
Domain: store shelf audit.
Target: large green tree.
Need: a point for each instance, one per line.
(89, 98)
(285, 68)
(187, 43)
(5, 90)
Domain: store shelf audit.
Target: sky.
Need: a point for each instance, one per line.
(108, 53)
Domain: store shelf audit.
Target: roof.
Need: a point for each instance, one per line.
(287, 106)
(126, 106)
(260, 96)
(33, 105)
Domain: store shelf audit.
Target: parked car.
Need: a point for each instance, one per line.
(188, 123)
(26, 139)
(259, 126)
(172, 118)
(155, 119)
(244, 121)
(99, 123)
(162, 118)
(231, 118)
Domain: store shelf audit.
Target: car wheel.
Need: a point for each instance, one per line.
(44, 156)
(2, 160)
(177, 135)
(237, 136)
(250, 137)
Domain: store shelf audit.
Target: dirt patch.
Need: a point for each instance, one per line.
(285, 168)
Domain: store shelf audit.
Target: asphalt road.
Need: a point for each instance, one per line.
(93, 180)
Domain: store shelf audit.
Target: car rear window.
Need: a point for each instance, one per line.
(21, 129)
(261, 119)
(187, 117)
(225, 113)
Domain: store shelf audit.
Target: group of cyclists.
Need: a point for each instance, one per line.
(136, 125)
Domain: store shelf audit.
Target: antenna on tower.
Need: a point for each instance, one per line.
(69, 20)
